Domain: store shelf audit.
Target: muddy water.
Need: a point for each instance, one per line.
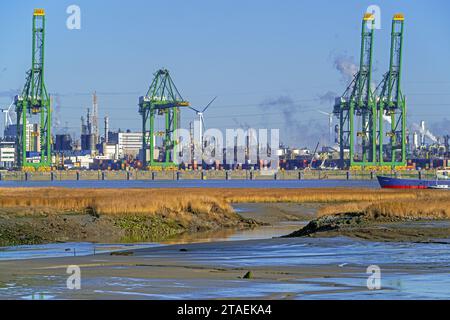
(281, 219)
(67, 249)
(277, 220)
(331, 268)
(211, 266)
(194, 184)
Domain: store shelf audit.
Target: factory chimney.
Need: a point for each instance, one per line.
(95, 130)
(91, 140)
(89, 122)
(447, 144)
(106, 128)
(416, 140)
(83, 126)
(422, 132)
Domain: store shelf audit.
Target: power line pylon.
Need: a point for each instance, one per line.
(34, 102)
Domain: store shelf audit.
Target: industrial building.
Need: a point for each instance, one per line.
(10, 133)
(7, 154)
(63, 142)
(128, 143)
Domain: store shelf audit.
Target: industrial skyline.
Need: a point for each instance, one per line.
(249, 94)
(371, 131)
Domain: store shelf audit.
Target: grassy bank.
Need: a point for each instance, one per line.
(55, 196)
(35, 215)
(215, 204)
(30, 216)
(433, 207)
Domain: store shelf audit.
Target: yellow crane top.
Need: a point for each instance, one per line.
(39, 12)
(399, 17)
(369, 16)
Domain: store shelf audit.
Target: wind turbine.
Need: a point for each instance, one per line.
(330, 124)
(201, 119)
(7, 112)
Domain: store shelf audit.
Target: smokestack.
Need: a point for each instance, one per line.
(83, 126)
(416, 140)
(106, 128)
(422, 133)
(91, 139)
(89, 122)
(95, 129)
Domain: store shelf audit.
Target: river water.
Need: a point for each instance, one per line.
(333, 268)
(71, 249)
(328, 268)
(194, 184)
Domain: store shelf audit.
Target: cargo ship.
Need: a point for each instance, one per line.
(398, 183)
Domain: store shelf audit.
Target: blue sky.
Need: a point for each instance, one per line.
(267, 61)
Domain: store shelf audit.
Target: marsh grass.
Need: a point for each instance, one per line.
(189, 203)
(416, 209)
(424, 206)
(114, 202)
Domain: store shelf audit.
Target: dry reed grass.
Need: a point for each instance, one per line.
(178, 202)
(434, 209)
(174, 204)
(426, 205)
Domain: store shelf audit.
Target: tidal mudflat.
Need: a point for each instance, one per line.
(328, 263)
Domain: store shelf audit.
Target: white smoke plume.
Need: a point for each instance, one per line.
(346, 66)
(441, 127)
(294, 131)
(328, 97)
(56, 112)
(425, 132)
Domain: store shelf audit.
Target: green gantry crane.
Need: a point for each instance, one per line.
(357, 108)
(162, 99)
(392, 103)
(34, 102)
(363, 112)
